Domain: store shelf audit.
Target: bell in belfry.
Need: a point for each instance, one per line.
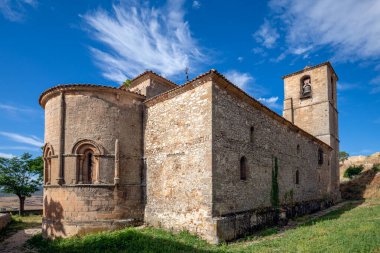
(306, 87)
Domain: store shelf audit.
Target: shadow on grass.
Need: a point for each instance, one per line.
(127, 240)
(333, 215)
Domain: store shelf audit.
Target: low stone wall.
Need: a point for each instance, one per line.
(5, 218)
(236, 225)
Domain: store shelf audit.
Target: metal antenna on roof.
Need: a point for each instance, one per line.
(187, 74)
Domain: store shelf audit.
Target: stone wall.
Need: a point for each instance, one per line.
(178, 159)
(110, 120)
(5, 218)
(318, 115)
(232, 122)
(235, 200)
(77, 210)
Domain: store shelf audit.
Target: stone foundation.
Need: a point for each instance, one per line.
(79, 209)
(236, 225)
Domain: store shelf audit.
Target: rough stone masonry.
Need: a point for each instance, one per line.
(203, 157)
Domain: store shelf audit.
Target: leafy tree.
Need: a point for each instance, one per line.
(21, 176)
(343, 156)
(353, 171)
(127, 83)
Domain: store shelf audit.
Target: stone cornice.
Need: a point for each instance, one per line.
(328, 64)
(67, 88)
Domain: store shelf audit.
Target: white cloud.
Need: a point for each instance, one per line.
(350, 29)
(266, 35)
(34, 141)
(271, 102)
(14, 10)
(342, 86)
(139, 37)
(4, 155)
(19, 148)
(240, 58)
(363, 152)
(196, 4)
(239, 79)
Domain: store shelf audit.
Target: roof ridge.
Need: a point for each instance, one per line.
(147, 72)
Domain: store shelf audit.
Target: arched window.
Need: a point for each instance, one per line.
(305, 87)
(298, 149)
(87, 153)
(88, 167)
(297, 177)
(252, 134)
(243, 168)
(47, 156)
(320, 156)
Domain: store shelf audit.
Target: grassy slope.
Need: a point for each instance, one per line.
(351, 229)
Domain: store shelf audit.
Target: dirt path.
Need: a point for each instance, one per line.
(15, 243)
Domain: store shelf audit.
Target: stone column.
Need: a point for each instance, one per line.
(60, 179)
(117, 163)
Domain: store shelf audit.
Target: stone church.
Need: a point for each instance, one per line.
(203, 156)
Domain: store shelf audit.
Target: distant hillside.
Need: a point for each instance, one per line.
(37, 193)
(367, 184)
(366, 161)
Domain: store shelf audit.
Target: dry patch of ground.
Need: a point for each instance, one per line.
(12, 203)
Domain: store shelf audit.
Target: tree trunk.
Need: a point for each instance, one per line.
(22, 202)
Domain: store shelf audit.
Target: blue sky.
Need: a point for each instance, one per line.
(254, 43)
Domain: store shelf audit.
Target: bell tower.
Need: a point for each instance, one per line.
(310, 102)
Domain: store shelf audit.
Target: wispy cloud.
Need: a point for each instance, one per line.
(239, 79)
(31, 140)
(196, 4)
(139, 37)
(343, 86)
(363, 152)
(11, 108)
(5, 155)
(14, 10)
(350, 29)
(271, 102)
(25, 148)
(266, 35)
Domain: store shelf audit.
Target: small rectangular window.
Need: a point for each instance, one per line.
(320, 156)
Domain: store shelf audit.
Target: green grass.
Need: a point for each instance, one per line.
(19, 223)
(350, 229)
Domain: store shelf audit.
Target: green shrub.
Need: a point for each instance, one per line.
(353, 170)
(376, 167)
